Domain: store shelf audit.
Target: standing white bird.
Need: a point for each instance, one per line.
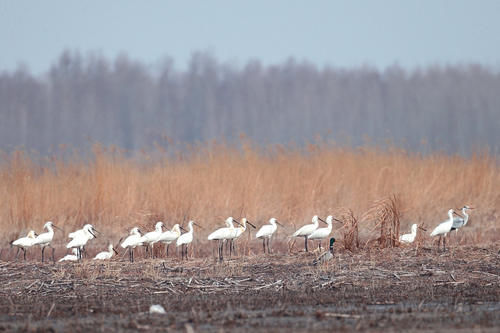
(45, 238)
(266, 231)
(409, 238)
(459, 222)
(222, 234)
(24, 242)
(185, 239)
(238, 232)
(82, 233)
(170, 235)
(152, 237)
(81, 238)
(444, 228)
(105, 255)
(135, 239)
(308, 229)
(70, 257)
(322, 233)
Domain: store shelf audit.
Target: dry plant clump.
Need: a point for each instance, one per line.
(385, 215)
(350, 229)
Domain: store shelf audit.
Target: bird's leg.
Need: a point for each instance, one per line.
(168, 245)
(17, 253)
(319, 246)
(305, 242)
(264, 244)
(268, 245)
(43, 249)
(24, 253)
(53, 254)
(444, 243)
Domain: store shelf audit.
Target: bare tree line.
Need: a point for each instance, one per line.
(85, 99)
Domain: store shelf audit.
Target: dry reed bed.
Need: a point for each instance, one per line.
(210, 182)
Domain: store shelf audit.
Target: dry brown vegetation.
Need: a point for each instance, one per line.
(209, 182)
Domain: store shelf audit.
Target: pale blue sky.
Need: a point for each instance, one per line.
(339, 33)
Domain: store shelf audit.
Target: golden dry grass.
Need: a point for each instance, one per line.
(210, 182)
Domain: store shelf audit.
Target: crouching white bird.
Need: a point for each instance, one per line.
(152, 237)
(170, 235)
(266, 231)
(185, 239)
(326, 256)
(308, 229)
(409, 238)
(444, 228)
(105, 255)
(133, 240)
(81, 237)
(70, 257)
(223, 234)
(24, 242)
(45, 238)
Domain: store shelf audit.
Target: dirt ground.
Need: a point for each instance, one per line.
(376, 290)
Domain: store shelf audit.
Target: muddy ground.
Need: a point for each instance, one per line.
(376, 290)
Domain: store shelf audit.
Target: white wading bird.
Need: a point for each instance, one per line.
(45, 238)
(150, 238)
(185, 239)
(135, 239)
(105, 255)
(70, 257)
(81, 237)
(223, 234)
(24, 242)
(459, 222)
(409, 238)
(266, 231)
(444, 228)
(326, 256)
(308, 229)
(82, 233)
(239, 231)
(322, 233)
(171, 235)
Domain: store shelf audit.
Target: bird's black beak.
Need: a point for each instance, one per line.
(279, 223)
(93, 234)
(251, 224)
(182, 228)
(56, 227)
(198, 225)
(238, 223)
(422, 228)
(319, 218)
(115, 251)
(457, 214)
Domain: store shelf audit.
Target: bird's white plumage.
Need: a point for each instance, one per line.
(45, 238)
(228, 232)
(81, 238)
(170, 235)
(105, 255)
(444, 227)
(266, 231)
(308, 228)
(458, 221)
(26, 241)
(154, 236)
(70, 257)
(187, 237)
(409, 238)
(133, 240)
(321, 233)
(241, 229)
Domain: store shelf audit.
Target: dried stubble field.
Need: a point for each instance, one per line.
(369, 288)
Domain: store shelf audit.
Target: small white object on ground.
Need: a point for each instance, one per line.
(157, 308)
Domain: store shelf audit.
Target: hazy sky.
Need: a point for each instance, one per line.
(339, 33)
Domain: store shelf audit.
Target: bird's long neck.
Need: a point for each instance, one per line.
(466, 216)
(450, 215)
(190, 228)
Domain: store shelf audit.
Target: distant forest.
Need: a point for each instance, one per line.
(84, 99)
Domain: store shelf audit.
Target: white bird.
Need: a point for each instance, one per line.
(185, 239)
(24, 242)
(82, 233)
(152, 237)
(45, 238)
(135, 239)
(105, 255)
(266, 231)
(170, 235)
(81, 238)
(322, 233)
(70, 257)
(326, 256)
(238, 232)
(222, 234)
(409, 238)
(444, 228)
(308, 229)
(459, 222)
